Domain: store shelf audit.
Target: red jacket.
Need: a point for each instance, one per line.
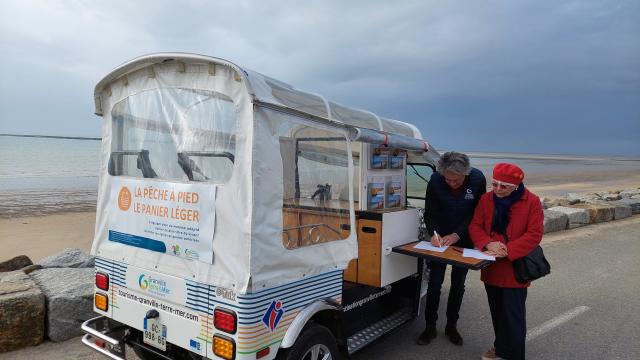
(526, 226)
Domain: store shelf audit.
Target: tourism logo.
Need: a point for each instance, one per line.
(191, 254)
(124, 199)
(153, 285)
(273, 315)
(175, 249)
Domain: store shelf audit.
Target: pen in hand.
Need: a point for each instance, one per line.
(439, 238)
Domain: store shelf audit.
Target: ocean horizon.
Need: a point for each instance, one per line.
(45, 174)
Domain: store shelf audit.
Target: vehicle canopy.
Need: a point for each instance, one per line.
(225, 176)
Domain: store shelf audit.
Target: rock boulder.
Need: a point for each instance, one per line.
(577, 217)
(16, 263)
(611, 197)
(554, 221)
(634, 204)
(69, 294)
(549, 202)
(68, 258)
(598, 211)
(628, 193)
(22, 311)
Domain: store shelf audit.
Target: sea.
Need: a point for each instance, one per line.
(40, 176)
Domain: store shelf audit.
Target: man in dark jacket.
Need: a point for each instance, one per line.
(452, 195)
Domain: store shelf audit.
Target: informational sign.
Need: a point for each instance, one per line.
(172, 218)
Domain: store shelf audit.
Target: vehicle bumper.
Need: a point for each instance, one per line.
(105, 336)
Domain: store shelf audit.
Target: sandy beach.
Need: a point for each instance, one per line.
(40, 236)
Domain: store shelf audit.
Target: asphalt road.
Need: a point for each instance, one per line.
(587, 308)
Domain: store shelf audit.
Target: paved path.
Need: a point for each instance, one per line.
(588, 308)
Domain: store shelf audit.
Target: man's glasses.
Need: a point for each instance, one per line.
(501, 185)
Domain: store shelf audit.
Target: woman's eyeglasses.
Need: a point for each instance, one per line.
(501, 185)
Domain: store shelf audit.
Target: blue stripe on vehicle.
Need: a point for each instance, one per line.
(298, 299)
(137, 241)
(291, 304)
(270, 291)
(289, 308)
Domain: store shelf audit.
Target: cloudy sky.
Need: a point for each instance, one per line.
(516, 76)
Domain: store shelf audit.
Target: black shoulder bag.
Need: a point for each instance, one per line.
(530, 267)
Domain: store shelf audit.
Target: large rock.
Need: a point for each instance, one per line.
(69, 294)
(633, 203)
(16, 263)
(577, 217)
(68, 258)
(628, 193)
(622, 211)
(22, 311)
(554, 221)
(549, 202)
(598, 211)
(611, 197)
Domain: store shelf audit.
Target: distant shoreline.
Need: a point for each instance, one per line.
(476, 154)
(54, 137)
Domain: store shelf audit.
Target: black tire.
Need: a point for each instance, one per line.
(313, 336)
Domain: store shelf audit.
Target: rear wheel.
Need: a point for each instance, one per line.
(315, 343)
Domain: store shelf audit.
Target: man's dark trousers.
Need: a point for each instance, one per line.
(508, 314)
(456, 292)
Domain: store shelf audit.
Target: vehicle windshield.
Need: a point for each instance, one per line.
(174, 134)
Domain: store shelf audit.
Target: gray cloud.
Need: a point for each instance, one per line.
(465, 72)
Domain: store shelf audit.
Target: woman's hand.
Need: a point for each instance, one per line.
(497, 249)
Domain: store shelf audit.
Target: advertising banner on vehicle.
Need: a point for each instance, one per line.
(172, 218)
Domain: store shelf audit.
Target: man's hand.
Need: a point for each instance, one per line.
(497, 249)
(435, 240)
(450, 239)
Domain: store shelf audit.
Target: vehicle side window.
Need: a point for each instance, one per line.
(316, 185)
(418, 176)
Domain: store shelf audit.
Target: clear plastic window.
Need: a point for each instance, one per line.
(174, 134)
(316, 185)
(418, 176)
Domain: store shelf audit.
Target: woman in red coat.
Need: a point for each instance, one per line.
(508, 223)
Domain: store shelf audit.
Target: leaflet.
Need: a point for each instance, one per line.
(425, 245)
(477, 254)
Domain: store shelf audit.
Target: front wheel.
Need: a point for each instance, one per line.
(315, 343)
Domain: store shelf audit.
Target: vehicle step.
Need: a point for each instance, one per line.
(369, 334)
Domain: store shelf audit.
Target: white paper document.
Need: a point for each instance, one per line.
(477, 254)
(425, 245)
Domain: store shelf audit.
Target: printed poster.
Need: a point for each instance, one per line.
(394, 195)
(397, 161)
(379, 158)
(171, 218)
(376, 195)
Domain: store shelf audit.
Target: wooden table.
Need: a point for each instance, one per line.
(453, 256)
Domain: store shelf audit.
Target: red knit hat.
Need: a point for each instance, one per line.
(508, 173)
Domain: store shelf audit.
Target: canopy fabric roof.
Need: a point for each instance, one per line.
(267, 90)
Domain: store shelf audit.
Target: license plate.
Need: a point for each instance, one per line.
(155, 334)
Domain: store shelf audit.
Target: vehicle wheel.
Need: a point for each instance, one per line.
(315, 343)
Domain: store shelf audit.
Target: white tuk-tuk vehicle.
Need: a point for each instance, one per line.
(241, 218)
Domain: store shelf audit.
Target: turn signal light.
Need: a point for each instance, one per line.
(225, 320)
(224, 347)
(101, 301)
(102, 281)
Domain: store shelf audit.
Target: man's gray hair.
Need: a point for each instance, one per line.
(455, 162)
